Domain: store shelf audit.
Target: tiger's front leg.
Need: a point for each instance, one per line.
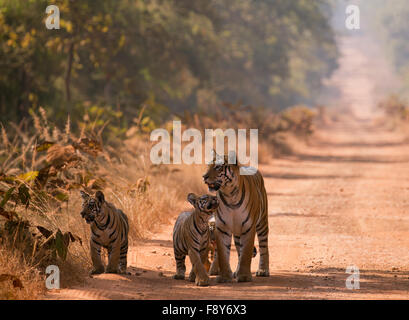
(123, 258)
(198, 269)
(246, 254)
(223, 243)
(204, 255)
(113, 257)
(237, 244)
(180, 267)
(98, 267)
(262, 234)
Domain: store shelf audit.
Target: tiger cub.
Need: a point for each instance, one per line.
(191, 237)
(109, 229)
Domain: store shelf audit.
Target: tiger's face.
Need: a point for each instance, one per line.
(205, 204)
(91, 206)
(220, 175)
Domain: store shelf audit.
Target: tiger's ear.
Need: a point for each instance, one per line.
(192, 198)
(100, 196)
(84, 195)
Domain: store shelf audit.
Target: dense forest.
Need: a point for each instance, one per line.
(113, 57)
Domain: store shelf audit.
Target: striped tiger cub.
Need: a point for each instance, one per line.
(109, 229)
(191, 237)
(242, 213)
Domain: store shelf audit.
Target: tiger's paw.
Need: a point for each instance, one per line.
(244, 278)
(179, 277)
(262, 273)
(224, 279)
(96, 271)
(192, 277)
(202, 282)
(214, 268)
(214, 271)
(110, 270)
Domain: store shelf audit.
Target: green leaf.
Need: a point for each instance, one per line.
(44, 146)
(7, 179)
(45, 232)
(61, 196)
(24, 195)
(61, 245)
(42, 177)
(7, 196)
(28, 176)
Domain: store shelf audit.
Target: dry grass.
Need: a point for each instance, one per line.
(149, 194)
(32, 282)
(396, 113)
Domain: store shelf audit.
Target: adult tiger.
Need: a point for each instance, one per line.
(191, 237)
(109, 229)
(242, 212)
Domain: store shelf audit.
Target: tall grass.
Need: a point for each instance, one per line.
(31, 282)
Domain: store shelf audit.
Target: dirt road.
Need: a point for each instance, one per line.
(344, 201)
(341, 201)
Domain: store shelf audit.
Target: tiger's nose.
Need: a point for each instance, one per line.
(205, 177)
